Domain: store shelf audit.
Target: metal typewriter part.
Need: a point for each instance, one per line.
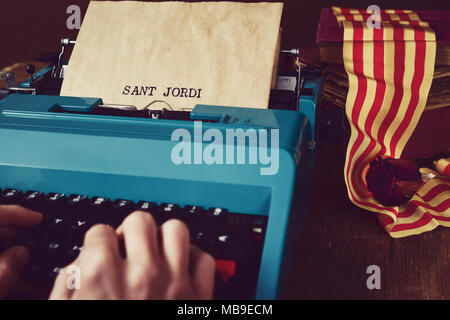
(8, 78)
(60, 68)
(293, 85)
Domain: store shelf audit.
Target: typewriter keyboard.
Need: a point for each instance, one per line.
(234, 240)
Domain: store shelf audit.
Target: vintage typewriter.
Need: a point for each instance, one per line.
(80, 162)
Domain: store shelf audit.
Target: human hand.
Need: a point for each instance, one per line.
(139, 261)
(14, 259)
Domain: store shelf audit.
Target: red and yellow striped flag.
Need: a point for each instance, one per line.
(390, 70)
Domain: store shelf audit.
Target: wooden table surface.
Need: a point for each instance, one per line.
(340, 240)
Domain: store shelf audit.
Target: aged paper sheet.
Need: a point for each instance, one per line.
(216, 53)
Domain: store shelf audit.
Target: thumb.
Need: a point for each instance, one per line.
(12, 262)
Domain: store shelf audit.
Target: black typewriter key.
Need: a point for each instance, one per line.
(54, 199)
(77, 215)
(99, 210)
(53, 248)
(27, 236)
(224, 239)
(58, 255)
(217, 215)
(121, 209)
(35, 271)
(74, 252)
(53, 272)
(194, 210)
(150, 207)
(254, 232)
(192, 215)
(80, 225)
(33, 200)
(56, 222)
(53, 245)
(75, 208)
(72, 248)
(199, 238)
(166, 211)
(237, 239)
(223, 244)
(53, 204)
(257, 231)
(168, 208)
(30, 238)
(77, 202)
(99, 203)
(11, 196)
(147, 206)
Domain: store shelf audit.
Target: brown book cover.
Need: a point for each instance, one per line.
(431, 134)
(336, 86)
(330, 34)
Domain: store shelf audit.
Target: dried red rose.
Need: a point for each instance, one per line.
(393, 181)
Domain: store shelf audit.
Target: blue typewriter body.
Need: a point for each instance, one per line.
(120, 157)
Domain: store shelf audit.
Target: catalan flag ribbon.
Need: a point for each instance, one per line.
(390, 70)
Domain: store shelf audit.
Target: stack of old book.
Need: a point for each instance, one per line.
(432, 132)
(335, 87)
